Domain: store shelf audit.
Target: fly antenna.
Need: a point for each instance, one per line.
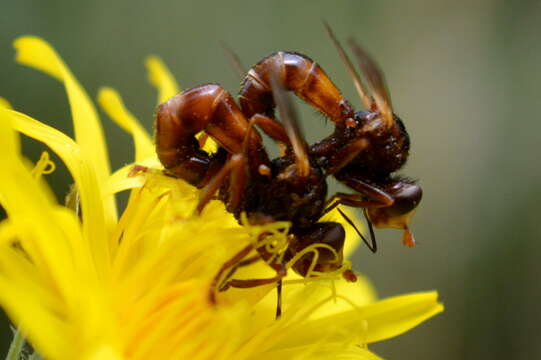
(234, 60)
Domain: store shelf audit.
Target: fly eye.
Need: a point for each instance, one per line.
(406, 198)
(362, 115)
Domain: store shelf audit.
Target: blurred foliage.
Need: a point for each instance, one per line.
(463, 76)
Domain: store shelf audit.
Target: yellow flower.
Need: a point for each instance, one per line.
(82, 283)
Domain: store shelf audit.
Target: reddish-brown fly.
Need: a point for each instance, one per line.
(363, 152)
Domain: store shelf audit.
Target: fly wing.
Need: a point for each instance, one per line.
(376, 82)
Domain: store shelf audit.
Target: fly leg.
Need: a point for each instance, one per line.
(369, 196)
(233, 166)
(250, 283)
(242, 263)
(281, 272)
(228, 265)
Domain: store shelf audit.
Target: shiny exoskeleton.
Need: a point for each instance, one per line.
(363, 152)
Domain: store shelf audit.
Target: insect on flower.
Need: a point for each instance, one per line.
(363, 152)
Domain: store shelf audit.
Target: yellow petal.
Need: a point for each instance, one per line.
(26, 204)
(160, 76)
(340, 295)
(37, 301)
(103, 352)
(28, 293)
(321, 352)
(9, 139)
(8, 232)
(378, 321)
(29, 312)
(5, 104)
(120, 180)
(43, 239)
(112, 104)
(359, 293)
(35, 52)
(396, 315)
(85, 179)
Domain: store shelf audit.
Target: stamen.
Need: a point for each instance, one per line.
(44, 166)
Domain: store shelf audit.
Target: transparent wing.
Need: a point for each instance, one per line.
(376, 82)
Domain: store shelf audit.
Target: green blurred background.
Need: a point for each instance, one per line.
(464, 76)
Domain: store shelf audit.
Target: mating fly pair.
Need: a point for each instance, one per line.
(363, 152)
